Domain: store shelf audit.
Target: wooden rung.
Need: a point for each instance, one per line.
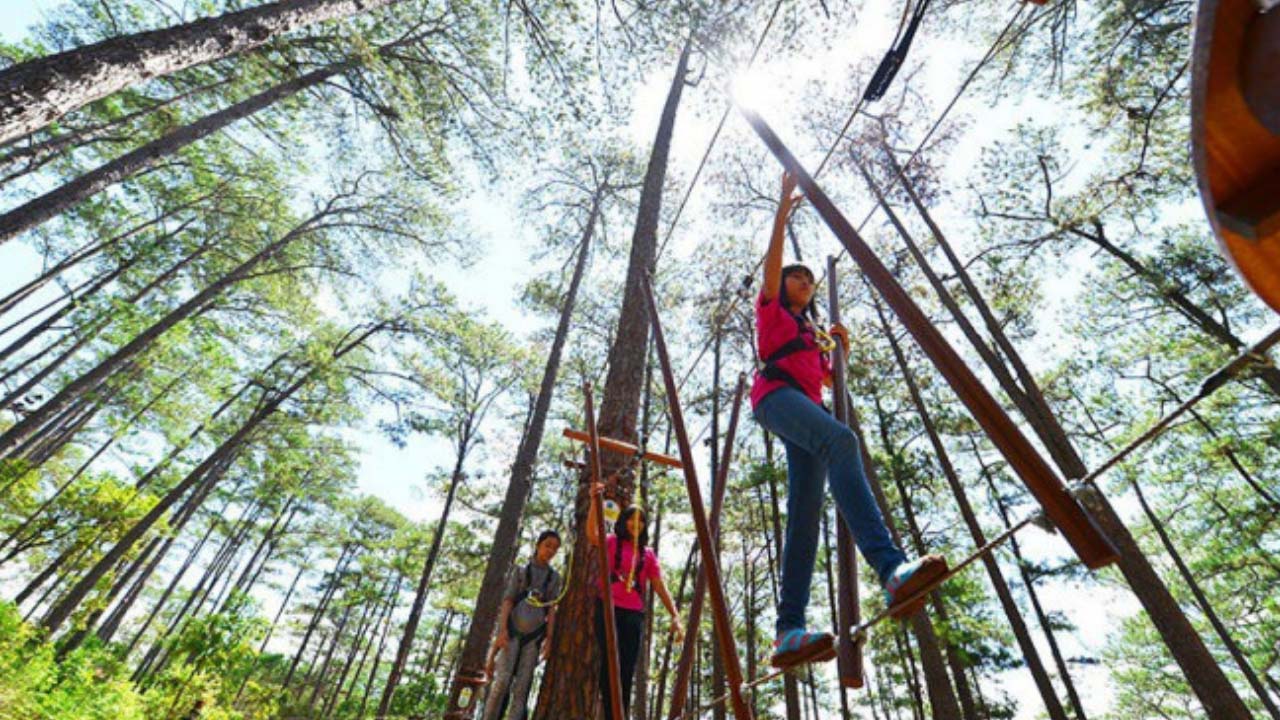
(624, 448)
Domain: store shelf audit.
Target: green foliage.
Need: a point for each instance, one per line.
(89, 683)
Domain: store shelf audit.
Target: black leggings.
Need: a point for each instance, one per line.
(630, 632)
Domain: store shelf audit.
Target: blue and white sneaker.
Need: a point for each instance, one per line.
(908, 579)
(797, 647)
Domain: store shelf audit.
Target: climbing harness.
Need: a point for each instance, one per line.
(809, 337)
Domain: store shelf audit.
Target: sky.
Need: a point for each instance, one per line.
(396, 474)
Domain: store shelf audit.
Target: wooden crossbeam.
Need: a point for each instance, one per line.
(625, 448)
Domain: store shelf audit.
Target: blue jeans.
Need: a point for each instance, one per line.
(816, 442)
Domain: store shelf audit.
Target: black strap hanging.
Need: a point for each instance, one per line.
(893, 59)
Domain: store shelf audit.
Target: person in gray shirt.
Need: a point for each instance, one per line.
(524, 629)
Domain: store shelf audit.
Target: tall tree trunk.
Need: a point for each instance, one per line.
(1028, 582)
(36, 93)
(275, 622)
(267, 542)
(328, 658)
(424, 586)
(17, 535)
(790, 688)
(73, 192)
(190, 560)
(90, 329)
(571, 688)
(36, 154)
(1203, 674)
(845, 712)
(897, 462)
(142, 567)
(1029, 653)
(94, 249)
(382, 644)
(348, 662)
(158, 656)
(68, 603)
(506, 537)
(73, 301)
(383, 618)
(34, 420)
(1202, 600)
(909, 670)
(331, 587)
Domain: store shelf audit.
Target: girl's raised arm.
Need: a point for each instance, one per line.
(773, 256)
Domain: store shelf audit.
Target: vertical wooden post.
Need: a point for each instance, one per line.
(606, 600)
(680, 690)
(706, 545)
(848, 614)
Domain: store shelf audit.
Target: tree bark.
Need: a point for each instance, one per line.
(69, 194)
(36, 93)
(424, 586)
(144, 566)
(1219, 627)
(942, 694)
(275, 622)
(506, 537)
(158, 655)
(571, 686)
(63, 609)
(86, 252)
(382, 643)
(34, 420)
(335, 581)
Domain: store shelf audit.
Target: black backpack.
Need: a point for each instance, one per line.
(530, 633)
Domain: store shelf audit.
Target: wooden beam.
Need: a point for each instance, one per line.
(624, 448)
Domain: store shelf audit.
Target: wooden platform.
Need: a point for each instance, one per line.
(1235, 135)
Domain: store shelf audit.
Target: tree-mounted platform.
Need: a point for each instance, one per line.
(1235, 134)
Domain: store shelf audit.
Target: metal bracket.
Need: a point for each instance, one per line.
(1040, 520)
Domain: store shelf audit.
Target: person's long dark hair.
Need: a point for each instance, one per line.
(810, 311)
(621, 532)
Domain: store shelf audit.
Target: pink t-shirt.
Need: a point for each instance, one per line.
(622, 598)
(775, 327)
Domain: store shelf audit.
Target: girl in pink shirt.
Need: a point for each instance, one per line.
(786, 399)
(632, 568)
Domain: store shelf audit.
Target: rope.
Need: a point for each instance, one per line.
(719, 700)
(1255, 355)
